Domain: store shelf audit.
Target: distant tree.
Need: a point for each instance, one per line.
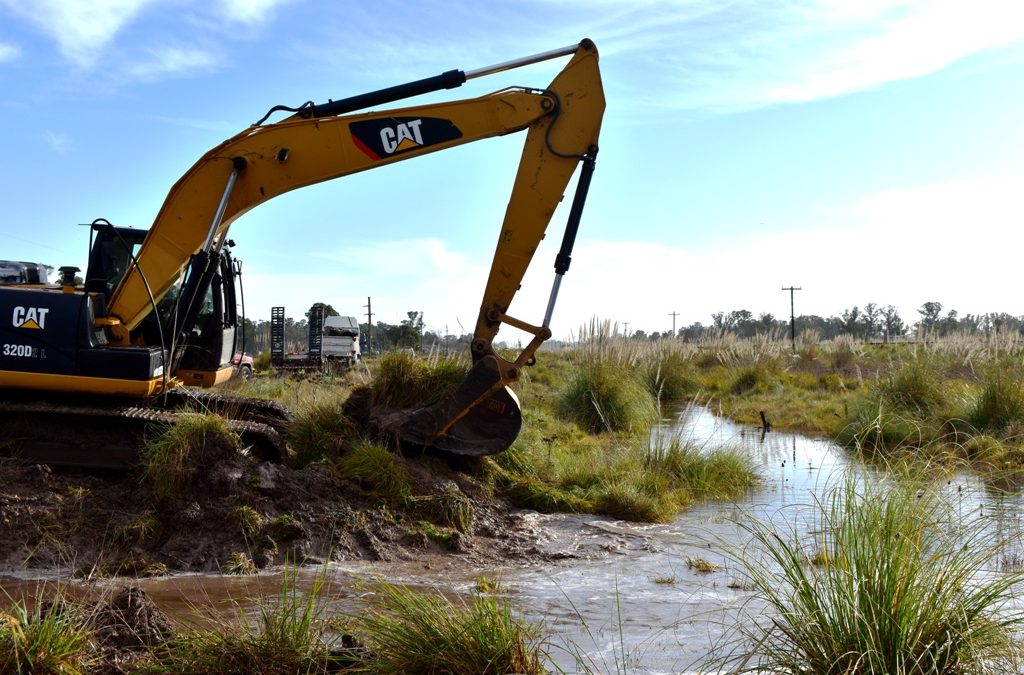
(692, 332)
(412, 330)
(328, 310)
(851, 320)
(930, 312)
(892, 324)
(1001, 322)
(870, 320)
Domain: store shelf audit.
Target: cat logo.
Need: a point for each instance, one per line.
(402, 137)
(392, 136)
(30, 317)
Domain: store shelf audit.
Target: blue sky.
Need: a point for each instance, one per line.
(867, 151)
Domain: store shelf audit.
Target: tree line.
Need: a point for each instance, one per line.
(872, 322)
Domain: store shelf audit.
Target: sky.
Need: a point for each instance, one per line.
(868, 151)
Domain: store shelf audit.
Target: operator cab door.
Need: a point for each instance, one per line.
(211, 343)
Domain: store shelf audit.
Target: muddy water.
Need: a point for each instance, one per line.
(625, 597)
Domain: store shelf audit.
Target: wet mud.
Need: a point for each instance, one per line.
(96, 524)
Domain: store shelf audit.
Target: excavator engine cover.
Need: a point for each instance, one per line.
(486, 424)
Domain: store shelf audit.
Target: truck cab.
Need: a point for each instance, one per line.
(341, 340)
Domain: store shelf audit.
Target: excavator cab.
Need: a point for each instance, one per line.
(201, 355)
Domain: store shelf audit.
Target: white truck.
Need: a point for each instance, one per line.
(341, 340)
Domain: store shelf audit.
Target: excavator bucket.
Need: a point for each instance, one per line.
(481, 417)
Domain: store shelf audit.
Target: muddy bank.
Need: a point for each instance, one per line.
(240, 515)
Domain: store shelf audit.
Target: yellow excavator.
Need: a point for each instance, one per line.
(156, 308)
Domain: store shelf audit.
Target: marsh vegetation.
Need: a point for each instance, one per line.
(912, 414)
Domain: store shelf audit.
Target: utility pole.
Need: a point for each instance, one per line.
(792, 316)
(673, 315)
(369, 325)
(627, 329)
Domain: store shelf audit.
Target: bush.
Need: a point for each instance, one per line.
(404, 381)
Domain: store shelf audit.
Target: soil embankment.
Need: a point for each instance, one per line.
(249, 515)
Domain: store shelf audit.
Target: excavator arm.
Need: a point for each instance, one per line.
(323, 142)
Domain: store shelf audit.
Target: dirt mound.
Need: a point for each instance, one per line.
(131, 620)
(239, 515)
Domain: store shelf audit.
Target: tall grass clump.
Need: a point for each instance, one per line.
(52, 638)
(1000, 403)
(670, 373)
(752, 377)
(899, 587)
(719, 473)
(873, 430)
(284, 636)
(172, 458)
(423, 632)
(914, 386)
(405, 381)
(320, 429)
(375, 466)
(607, 396)
(907, 408)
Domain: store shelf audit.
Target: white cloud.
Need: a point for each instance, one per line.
(170, 62)
(747, 54)
(59, 142)
(250, 11)
(957, 243)
(80, 29)
(9, 52)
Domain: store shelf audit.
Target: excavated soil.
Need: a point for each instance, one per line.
(102, 524)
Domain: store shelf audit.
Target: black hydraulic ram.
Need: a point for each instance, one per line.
(447, 80)
(572, 226)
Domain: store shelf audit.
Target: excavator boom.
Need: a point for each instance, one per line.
(183, 248)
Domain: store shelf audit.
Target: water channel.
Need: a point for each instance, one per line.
(625, 599)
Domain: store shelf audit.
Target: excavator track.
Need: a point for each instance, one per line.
(110, 434)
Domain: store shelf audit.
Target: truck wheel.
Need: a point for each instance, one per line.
(245, 372)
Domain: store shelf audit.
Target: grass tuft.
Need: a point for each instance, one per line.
(376, 467)
(320, 429)
(180, 450)
(52, 638)
(608, 396)
(425, 632)
(1000, 403)
(405, 381)
(897, 590)
(283, 637)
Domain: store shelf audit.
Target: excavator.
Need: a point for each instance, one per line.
(155, 312)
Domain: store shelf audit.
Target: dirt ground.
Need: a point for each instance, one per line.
(94, 524)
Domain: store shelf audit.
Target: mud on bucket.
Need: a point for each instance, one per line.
(486, 424)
